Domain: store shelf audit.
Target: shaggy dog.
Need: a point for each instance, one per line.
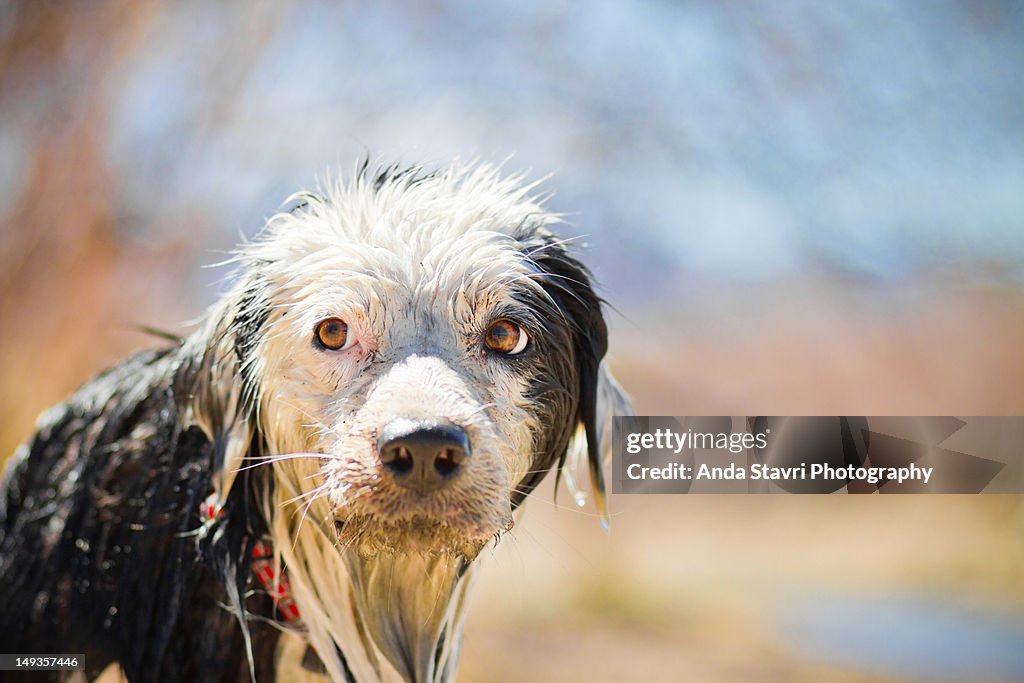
(304, 483)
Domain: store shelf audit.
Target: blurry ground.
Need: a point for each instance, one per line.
(723, 588)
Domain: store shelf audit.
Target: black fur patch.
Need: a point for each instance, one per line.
(247, 329)
(99, 545)
(393, 173)
(569, 352)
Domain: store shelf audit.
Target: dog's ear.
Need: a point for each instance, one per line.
(568, 283)
(216, 386)
(217, 381)
(611, 401)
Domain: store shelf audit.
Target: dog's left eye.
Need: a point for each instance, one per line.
(332, 334)
(506, 337)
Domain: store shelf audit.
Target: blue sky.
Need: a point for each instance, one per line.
(737, 142)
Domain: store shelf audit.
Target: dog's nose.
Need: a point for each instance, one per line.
(423, 455)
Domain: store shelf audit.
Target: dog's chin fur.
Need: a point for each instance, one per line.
(369, 537)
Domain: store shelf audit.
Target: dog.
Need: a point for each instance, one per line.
(301, 487)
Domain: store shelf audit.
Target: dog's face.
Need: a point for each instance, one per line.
(420, 351)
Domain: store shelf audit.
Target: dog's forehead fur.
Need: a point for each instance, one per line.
(401, 253)
(406, 230)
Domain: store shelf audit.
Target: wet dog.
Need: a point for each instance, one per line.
(304, 483)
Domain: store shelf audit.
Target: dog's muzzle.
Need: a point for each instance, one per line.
(423, 456)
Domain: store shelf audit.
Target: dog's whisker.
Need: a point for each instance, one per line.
(263, 460)
(304, 516)
(483, 408)
(316, 422)
(312, 493)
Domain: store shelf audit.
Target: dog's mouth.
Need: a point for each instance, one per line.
(419, 491)
(370, 535)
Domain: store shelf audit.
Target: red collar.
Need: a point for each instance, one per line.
(278, 588)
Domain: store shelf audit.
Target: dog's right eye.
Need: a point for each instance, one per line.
(332, 334)
(506, 337)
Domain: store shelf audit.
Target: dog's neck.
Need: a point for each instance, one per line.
(412, 608)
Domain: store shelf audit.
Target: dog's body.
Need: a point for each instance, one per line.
(400, 362)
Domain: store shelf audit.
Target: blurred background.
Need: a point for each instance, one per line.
(794, 208)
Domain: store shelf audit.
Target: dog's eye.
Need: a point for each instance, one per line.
(504, 336)
(332, 333)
